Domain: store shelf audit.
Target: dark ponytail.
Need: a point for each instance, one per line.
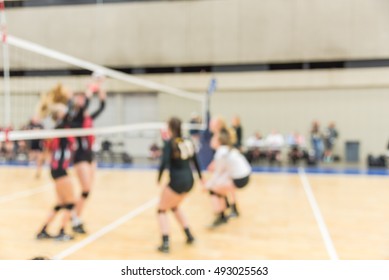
(175, 128)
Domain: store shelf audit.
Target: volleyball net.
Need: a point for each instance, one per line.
(137, 108)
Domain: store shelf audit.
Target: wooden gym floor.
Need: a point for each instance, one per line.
(277, 220)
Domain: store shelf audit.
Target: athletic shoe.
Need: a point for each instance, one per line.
(79, 229)
(190, 240)
(218, 222)
(64, 237)
(43, 235)
(40, 258)
(164, 248)
(233, 214)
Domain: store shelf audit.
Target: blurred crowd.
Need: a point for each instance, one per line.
(277, 148)
(274, 148)
(21, 151)
(270, 148)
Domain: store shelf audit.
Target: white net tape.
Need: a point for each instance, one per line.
(23, 44)
(61, 133)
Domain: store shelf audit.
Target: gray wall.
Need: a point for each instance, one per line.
(216, 31)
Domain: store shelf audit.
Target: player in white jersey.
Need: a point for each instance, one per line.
(231, 170)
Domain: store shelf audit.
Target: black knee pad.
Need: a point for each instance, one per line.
(211, 192)
(85, 195)
(215, 194)
(174, 209)
(57, 208)
(69, 206)
(161, 211)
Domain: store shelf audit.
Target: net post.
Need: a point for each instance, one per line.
(6, 70)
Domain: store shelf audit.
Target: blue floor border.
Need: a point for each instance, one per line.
(256, 169)
(323, 171)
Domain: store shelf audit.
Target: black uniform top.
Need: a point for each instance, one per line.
(179, 168)
(95, 114)
(76, 118)
(61, 148)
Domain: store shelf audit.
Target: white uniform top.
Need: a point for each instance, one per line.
(229, 164)
(221, 175)
(238, 165)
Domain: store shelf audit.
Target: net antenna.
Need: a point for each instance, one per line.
(6, 68)
(212, 87)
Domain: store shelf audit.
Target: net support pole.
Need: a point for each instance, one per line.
(206, 109)
(207, 101)
(6, 71)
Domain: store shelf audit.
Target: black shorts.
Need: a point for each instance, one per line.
(36, 146)
(329, 145)
(181, 180)
(58, 173)
(83, 156)
(180, 189)
(181, 186)
(242, 182)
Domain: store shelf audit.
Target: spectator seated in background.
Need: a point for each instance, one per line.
(8, 149)
(106, 148)
(21, 151)
(255, 148)
(297, 148)
(274, 142)
(2, 150)
(155, 151)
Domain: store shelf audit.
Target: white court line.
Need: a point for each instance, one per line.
(23, 194)
(318, 216)
(106, 229)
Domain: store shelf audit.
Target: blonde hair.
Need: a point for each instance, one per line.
(224, 138)
(57, 95)
(57, 109)
(222, 125)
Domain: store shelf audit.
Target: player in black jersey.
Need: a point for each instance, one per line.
(61, 149)
(177, 155)
(84, 160)
(84, 163)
